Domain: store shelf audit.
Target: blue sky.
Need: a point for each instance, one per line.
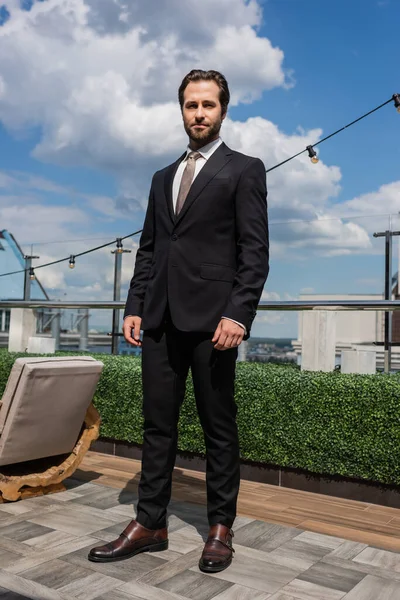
(73, 161)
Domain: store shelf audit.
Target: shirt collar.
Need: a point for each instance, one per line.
(207, 150)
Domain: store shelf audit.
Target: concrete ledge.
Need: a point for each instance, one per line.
(298, 479)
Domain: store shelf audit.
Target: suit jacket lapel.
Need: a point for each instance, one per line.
(168, 182)
(213, 165)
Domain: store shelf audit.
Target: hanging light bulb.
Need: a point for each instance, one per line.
(72, 261)
(32, 275)
(120, 247)
(312, 154)
(396, 100)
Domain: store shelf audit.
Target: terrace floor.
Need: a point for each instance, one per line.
(289, 545)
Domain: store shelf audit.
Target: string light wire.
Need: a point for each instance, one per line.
(310, 149)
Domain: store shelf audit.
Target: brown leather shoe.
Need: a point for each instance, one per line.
(134, 539)
(218, 551)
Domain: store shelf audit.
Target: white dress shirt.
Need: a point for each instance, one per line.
(205, 151)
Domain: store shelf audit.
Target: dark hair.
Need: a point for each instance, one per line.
(199, 75)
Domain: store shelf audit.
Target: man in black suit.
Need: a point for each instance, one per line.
(199, 274)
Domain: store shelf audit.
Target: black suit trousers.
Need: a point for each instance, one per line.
(167, 356)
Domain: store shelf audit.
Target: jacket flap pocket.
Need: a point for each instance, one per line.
(217, 272)
(219, 181)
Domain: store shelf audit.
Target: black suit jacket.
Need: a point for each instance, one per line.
(213, 259)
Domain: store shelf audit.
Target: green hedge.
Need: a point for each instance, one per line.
(328, 423)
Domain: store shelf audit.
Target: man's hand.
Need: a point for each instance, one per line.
(227, 335)
(129, 324)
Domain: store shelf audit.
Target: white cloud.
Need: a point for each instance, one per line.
(99, 79)
(119, 65)
(384, 200)
(108, 99)
(50, 221)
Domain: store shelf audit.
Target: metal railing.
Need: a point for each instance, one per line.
(277, 305)
(386, 305)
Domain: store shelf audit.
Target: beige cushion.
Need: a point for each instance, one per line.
(44, 406)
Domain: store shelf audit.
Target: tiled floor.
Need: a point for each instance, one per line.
(44, 544)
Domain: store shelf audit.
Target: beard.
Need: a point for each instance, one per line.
(203, 135)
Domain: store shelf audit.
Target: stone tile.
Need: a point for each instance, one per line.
(192, 515)
(291, 558)
(125, 570)
(7, 595)
(96, 512)
(243, 553)
(77, 486)
(31, 514)
(171, 569)
(29, 589)
(348, 550)
(127, 497)
(362, 568)
(169, 555)
(250, 533)
(304, 551)
(8, 558)
(175, 523)
(20, 548)
(241, 522)
(23, 531)
(147, 592)
(100, 499)
(304, 590)
(331, 576)
(111, 533)
(239, 592)
(38, 558)
(14, 508)
(281, 596)
(91, 586)
(66, 496)
(38, 501)
(195, 586)
(75, 520)
(277, 557)
(3, 516)
(379, 558)
(323, 541)
(275, 537)
(185, 540)
(259, 574)
(116, 595)
(375, 588)
(128, 510)
(50, 540)
(55, 573)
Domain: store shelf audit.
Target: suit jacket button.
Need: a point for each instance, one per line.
(174, 237)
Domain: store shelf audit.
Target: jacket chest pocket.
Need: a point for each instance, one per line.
(224, 181)
(217, 272)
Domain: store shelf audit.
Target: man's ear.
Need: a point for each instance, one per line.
(223, 115)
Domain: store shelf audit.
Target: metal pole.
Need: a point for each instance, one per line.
(388, 235)
(117, 296)
(27, 279)
(388, 296)
(83, 328)
(118, 252)
(55, 327)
